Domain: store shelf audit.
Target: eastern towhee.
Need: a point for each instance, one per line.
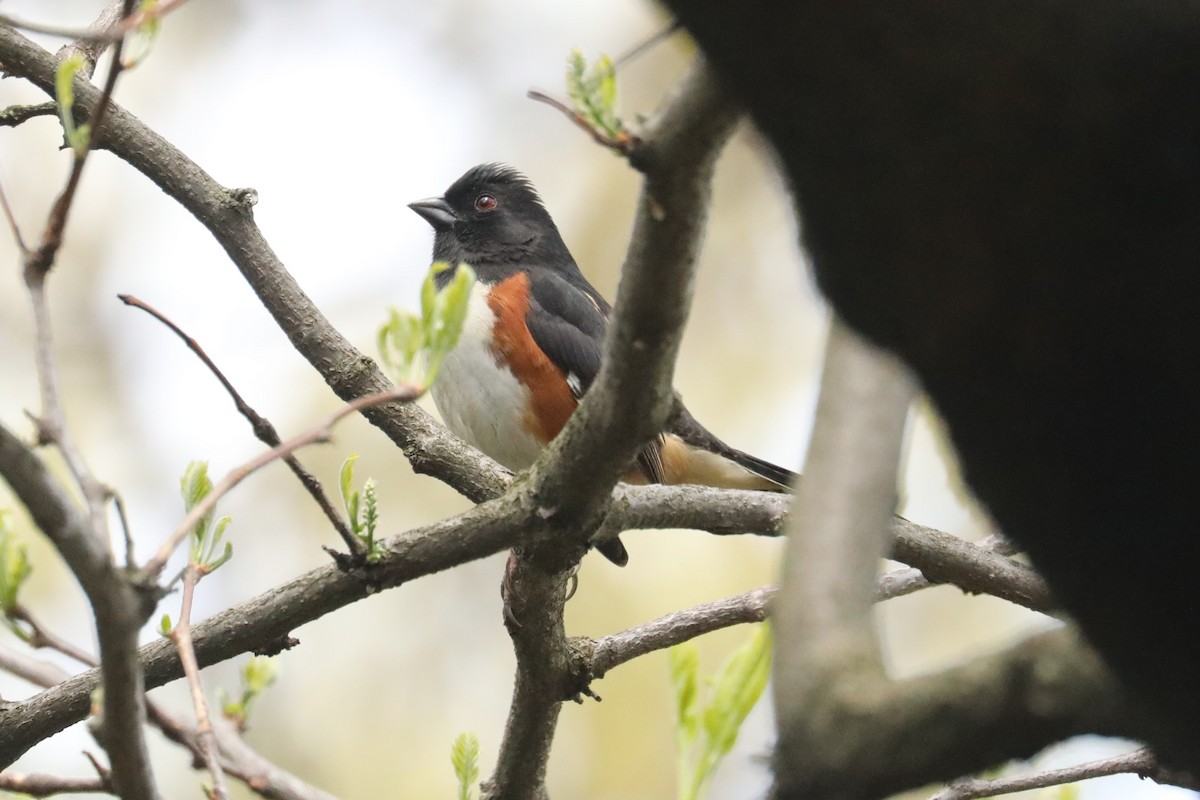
(532, 341)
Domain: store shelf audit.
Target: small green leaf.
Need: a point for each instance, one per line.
(464, 755)
(704, 736)
(194, 486)
(346, 477)
(451, 307)
(606, 75)
(211, 564)
(260, 673)
(737, 687)
(684, 660)
(164, 625)
(414, 347)
(400, 340)
(349, 496)
(64, 92)
(14, 565)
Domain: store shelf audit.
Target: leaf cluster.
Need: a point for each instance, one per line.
(464, 755)
(14, 571)
(258, 674)
(413, 347)
(362, 509)
(707, 728)
(593, 91)
(206, 549)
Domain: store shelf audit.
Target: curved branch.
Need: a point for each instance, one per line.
(227, 214)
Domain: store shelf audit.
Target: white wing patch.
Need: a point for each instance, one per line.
(575, 384)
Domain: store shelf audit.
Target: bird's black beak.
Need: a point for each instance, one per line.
(436, 211)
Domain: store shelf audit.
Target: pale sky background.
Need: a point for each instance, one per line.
(339, 114)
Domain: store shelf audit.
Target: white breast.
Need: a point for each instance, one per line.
(481, 401)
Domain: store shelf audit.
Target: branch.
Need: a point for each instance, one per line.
(227, 216)
(602, 655)
(264, 623)
(105, 30)
(826, 652)
(630, 402)
(322, 432)
(237, 758)
(261, 426)
(181, 637)
(34, 785)
(941, 557)
(118, 609)
(13, 116)
(1142, 762)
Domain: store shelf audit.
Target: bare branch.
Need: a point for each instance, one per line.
(105, 30)
(826, 651)
(1142, 762)
(266, 779)
(674, 628)
(36, 785)
(12, 223)
(262, 427)
(117, 606)
(629, 403)
(237, 758)
(13, 116)
(263, 623)
(181, 636)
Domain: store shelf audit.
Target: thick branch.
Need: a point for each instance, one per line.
(119, 610)
(826, 649)
(632, 397)
(628, 404)
(264, 623)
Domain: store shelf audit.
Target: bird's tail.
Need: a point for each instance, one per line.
(781, 479)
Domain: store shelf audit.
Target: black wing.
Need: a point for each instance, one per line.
(568, 323)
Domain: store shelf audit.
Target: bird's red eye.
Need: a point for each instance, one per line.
(485, 202)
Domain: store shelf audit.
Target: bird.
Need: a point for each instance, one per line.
(532, 341)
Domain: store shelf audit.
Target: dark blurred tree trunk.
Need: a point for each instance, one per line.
(1008, 195)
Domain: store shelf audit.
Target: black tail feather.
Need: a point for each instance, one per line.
(785, 479)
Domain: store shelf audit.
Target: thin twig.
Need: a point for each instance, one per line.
(624, 143)
(36, 785)
(40, 636)
(181, 635)
(126, 531)
(261, 426)
(642, 47)
(320, 433)
(38, 262)
(1142, 762)
(12, 223)
(42, 259)
(677, 627)
(238, 759)
(101, 34)
(13, 116)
